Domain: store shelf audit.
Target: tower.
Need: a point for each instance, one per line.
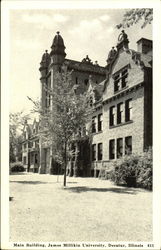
(44, 64)
(57, 52)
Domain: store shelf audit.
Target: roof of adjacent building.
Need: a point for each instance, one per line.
(85, 66)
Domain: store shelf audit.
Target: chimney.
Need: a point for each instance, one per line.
(144, 45)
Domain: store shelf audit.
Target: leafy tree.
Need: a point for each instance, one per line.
(16, 122)
(64, 118)
(133, 16)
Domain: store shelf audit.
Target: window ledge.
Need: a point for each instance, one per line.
(119, 91)
(99, 132)
(121, 124)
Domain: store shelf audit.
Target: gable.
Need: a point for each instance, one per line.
(125, 72)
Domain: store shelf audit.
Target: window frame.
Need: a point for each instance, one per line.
(121, 79)
(100, 151)
(94, 126)
(100, 122)
(119, 113)
(119, 147)
(127, 146)
(128, 110)
(112, 116)
(111, 149)
(93, 152)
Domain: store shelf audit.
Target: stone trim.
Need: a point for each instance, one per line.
(121, 124)
(123, 93)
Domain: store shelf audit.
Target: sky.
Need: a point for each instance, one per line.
(89, 32)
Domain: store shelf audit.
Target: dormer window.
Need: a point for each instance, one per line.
(124, 78)
(116, 83)
(120, 79)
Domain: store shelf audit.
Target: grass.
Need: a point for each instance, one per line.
(88, 209)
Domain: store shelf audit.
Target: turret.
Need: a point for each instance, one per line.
(58, 50)
(45, 61)
(44, 67)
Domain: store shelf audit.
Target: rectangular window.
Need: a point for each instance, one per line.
(99, 151)
(24, 160)
(124, 76)
(76, 80)
(120, 113)
(119, 147)
(120, 79)
(94, 124)
(116, 83)
(128, 145)
(112, 116)
(112, 149)
(36, 158)
(93, 152)
(128, 110)
(100, 122)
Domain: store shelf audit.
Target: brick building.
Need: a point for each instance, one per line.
(122, 123)
(49, 65)
(122, 100)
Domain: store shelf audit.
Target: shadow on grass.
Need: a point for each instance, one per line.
(39, 182)
(74, 182)
(31, 182)
(18, 173)
(115, 190)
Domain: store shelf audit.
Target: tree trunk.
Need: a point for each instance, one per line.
(65, 163)
(76, 160)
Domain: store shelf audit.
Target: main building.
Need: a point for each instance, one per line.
(122, 100)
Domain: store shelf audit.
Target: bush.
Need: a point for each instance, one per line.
(133, 170)
(17, 167)
(105, 174)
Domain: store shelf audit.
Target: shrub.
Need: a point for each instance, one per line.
(17, 167)
(133, 170)
(105, 173)
(145, 171)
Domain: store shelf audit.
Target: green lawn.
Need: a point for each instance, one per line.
(88, 209)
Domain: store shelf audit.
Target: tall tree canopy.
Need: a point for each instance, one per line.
(133, 16)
